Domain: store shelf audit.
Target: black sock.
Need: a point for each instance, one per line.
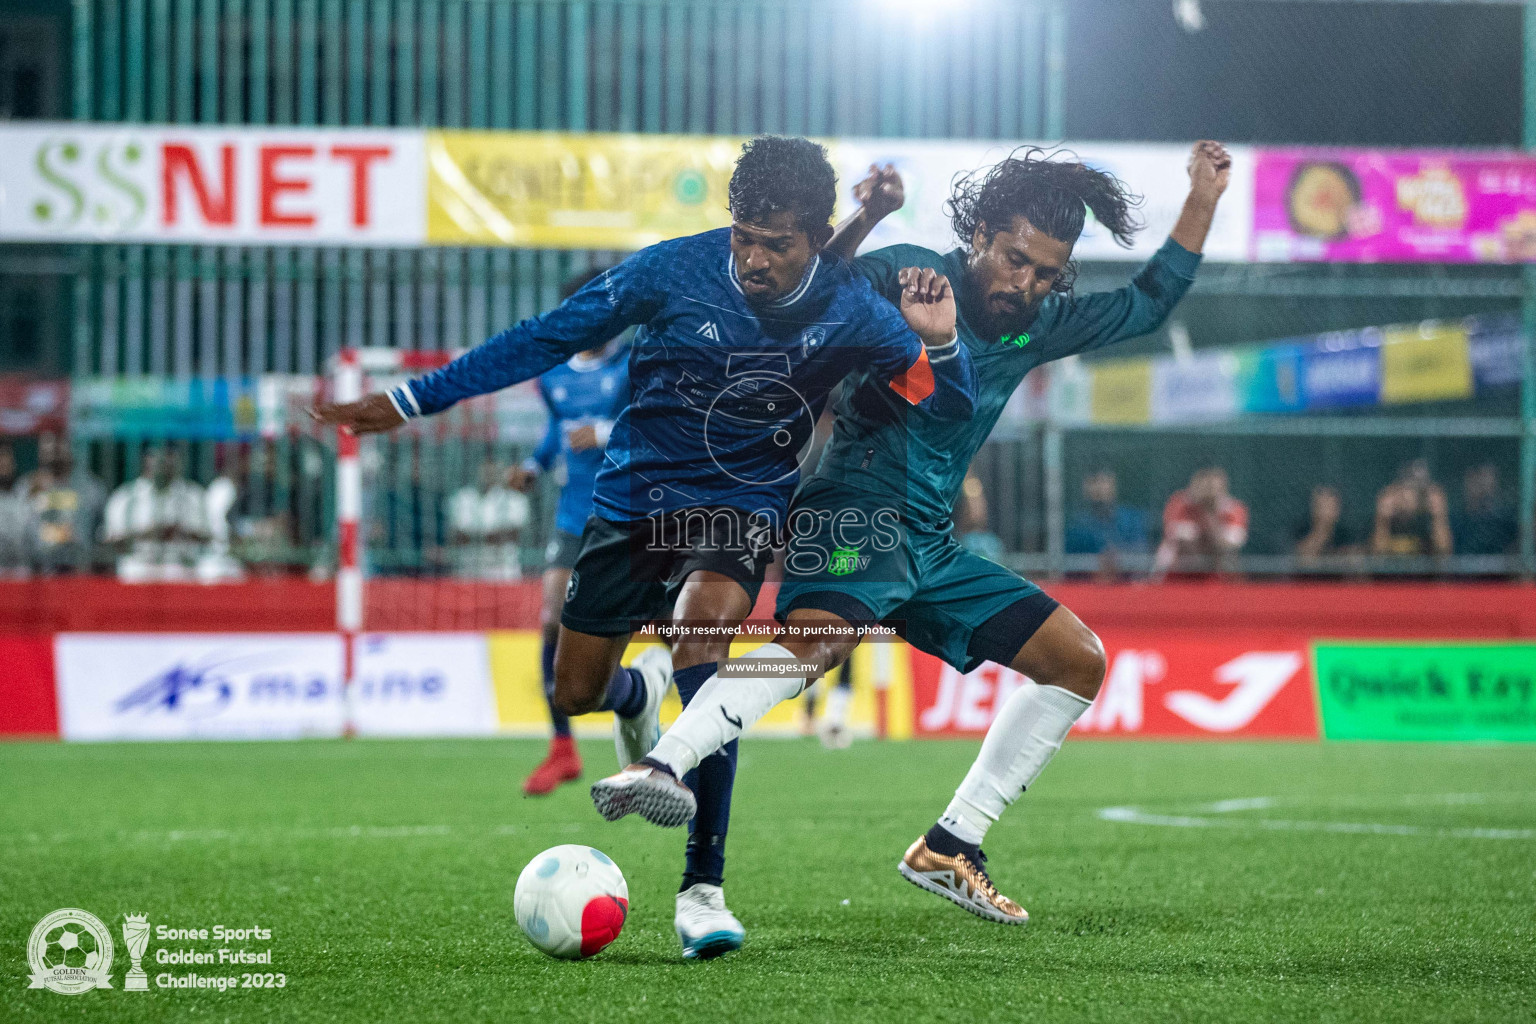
(651, 762)
(625, 696)
(712, 782)
(560, 720)
(946, 844)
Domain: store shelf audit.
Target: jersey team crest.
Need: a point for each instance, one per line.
(70, 952)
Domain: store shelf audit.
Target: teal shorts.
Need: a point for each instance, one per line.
(850, 553)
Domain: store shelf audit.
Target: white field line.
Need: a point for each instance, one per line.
(1206, 816)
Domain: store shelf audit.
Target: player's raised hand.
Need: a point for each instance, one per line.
(372, 415)
(1210, 167)
(928, 304)
(882, 193)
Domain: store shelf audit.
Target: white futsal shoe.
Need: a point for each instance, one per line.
(633, 738)
(654, 794)
(704, 926)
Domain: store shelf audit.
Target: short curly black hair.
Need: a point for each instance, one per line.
(1051, 193)
(777, 172)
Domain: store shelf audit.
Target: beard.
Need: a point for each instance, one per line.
(1004, 318)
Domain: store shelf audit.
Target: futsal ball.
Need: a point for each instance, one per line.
(571, 901)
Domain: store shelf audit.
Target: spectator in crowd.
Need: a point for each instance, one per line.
(64, 504)
(1103, 526)
(409, 534)
(1324, 534)
(1486, 524)
(1412, 516)
(159, 521)
(1203, 526)
(971, 517)
(262, 517)
(486, 526)
(14, 525)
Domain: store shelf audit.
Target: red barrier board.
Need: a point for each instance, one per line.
(1257, 685)
(28, 704)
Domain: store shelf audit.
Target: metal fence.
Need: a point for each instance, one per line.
(834, 68)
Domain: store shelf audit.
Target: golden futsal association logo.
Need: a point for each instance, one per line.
(70, 952)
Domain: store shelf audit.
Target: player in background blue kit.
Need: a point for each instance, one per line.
(584, 396)
(742, 334)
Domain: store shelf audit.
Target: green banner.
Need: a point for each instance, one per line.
(1427, 691)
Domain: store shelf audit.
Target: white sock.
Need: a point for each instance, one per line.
(1025, 734)
(703, 727)
(838, 699)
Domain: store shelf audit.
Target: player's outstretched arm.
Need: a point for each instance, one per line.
(942, 380)
(1103, 318)
(601, 309)
(879, 195)
(1210, 167)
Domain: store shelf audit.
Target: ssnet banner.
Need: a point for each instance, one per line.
(220, 185)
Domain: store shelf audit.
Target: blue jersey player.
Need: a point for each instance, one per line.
(584, 396)
(742, 333)
(872, 529)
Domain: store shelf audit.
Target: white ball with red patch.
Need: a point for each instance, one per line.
(571, 901)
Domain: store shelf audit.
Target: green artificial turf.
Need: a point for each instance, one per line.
(1379, 882)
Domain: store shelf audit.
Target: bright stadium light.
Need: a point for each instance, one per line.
(1189, 15)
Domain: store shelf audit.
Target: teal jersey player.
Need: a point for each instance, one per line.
(884, 465)
(871, 530)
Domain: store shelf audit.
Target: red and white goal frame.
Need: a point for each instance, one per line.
(350, 371)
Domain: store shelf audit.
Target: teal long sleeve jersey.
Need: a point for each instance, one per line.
(919, 461)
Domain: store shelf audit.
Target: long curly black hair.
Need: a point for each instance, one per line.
(1050, 189)
(777, 172)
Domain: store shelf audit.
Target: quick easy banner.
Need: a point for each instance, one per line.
(1427, 691)
(1369, 206)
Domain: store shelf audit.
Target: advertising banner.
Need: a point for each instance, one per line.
(66, 181)
(1370, 206)
(553, 190)
(28, 406)
(211, 408)
(423, 684)
(28, 701)
(169, 686)
(1155, 171)
(521, 709)
(1202, 386)
(1242, 687)
(1120, 391)
(1427, 691)
(1426, 365)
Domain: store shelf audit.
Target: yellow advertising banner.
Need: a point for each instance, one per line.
(565, 191)
(521, 711)
(1426, 365)
(1121, 391)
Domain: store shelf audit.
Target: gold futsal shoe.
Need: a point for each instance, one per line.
(960, 880)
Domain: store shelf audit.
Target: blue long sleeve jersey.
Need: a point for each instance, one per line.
(725, 394)
(581, 393)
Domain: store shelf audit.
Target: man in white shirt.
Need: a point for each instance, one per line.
(161, 520)
(487, 523)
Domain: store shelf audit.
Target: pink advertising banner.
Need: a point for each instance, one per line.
(1370, 206)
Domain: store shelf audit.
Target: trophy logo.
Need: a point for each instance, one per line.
(136, 937)
(70, 952)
